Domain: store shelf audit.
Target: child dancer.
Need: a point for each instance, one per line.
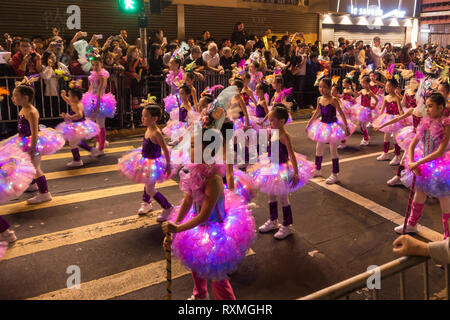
(97, 105)
(366, 112)
(34, 140)
(188, 79)
(213, 229)
(146, 165)
(180, 118)
(392, 106)
(376, 87)
(351, 125)
(16, 173)
(431, 163)
(279, 177)
(348, 97)
(327, 129)
(75, 128)
(255, 75)
(444, 89)
(262, 108)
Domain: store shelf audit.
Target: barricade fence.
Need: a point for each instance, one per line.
(51, 105)
(396, 267)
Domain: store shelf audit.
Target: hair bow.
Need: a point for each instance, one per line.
(3, 91)
(28, 81)
(322, 74)
(150, 100)
(76, 83)
(335, 79)
(350, 74)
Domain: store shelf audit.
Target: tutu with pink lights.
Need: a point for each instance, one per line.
(171, 102)
(49, 141)
(276, 178)
(215, 248)
(393, 128)
(145, 165)
(107, 105)
(405, 137)
(78, 131)
(16, 172)
(434, 178)
(180, 120)
(244, 185)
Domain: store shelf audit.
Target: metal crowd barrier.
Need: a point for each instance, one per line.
(50, 107)
(396, 267)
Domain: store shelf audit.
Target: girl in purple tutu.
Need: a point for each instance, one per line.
(213, 229)
(76, 128)
(327, 129)
(431, 164)
(391, 108)
(365, 112)
(34, 140)
(99, 105)
(16, 173)
(262, 108)
(280, 173)
(147, 165)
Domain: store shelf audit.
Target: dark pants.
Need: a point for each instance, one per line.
(300, 88)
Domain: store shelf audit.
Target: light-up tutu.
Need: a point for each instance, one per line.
(244, 185)
(140, 169)
(276, 178)
(405, 136)
(351, 125)
(392, 128)
(107, 105)
(326, 132)
(16, 172)
(347, 107)
(214, 249)
(49, 141)
(78, 131)
(175, 128)
(434, 178)
(171, 102)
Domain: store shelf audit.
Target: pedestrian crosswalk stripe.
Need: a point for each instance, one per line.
(80, 172)
(376, 208)
(137, 140)
(14, 208)
(67, 237)
(122, 283)
(67, 155)
(364, 156)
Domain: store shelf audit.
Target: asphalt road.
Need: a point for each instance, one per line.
(339, 232)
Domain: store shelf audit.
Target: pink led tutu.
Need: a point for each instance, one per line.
(78, 131)
(140, 169)
(276, 178)
(351, 125)
(434, 179)
(365, 114)
(326, 132)
(240, 123)
(405, 136)
(107, 105)
(49, 141)
(347, 107)
(16, 172)
(244, 185)
(215, 248)
(171, 103)
(393, 128)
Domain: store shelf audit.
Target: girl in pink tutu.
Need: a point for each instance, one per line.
(147, 165)
(36, 141)
(280, 173)
(348, 97)
(262, 108)
(431, 164)
(391, 108)
(365, 112)
(351, 125)
(16, 173)
(97, 105)
(255, 75)
(75, 128)
(327, 129)
(213, 229)
(180, 118)
(377, 88)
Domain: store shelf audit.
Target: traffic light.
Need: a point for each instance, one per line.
(131, 6)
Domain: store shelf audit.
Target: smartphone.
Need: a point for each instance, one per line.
(33, 54)
(99, 36)
(165, 39)
(84, 34)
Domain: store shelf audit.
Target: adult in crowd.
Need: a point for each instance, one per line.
(205, 40)
(212, 59)
(26, 61)
(196, 55)
(239, 35)
(377, 54)
(155, 62)
(360, 54)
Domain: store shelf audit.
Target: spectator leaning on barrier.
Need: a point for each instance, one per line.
(439, 251)
(26, 61)
(212, 59)
(155, 62)
(226, 60)
(196, 55)
(171, 48)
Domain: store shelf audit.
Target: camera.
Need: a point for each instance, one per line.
(33, 54)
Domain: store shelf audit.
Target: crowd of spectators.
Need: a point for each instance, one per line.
(298, 61)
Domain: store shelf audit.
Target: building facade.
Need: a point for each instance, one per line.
(435, 22)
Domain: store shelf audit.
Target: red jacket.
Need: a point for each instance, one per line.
(16, 61)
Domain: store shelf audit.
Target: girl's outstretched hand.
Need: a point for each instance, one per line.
(169, 227)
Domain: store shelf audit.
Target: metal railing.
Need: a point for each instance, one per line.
(396, 267)
(50, 107)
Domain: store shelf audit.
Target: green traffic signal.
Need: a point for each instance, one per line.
(131, 6)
